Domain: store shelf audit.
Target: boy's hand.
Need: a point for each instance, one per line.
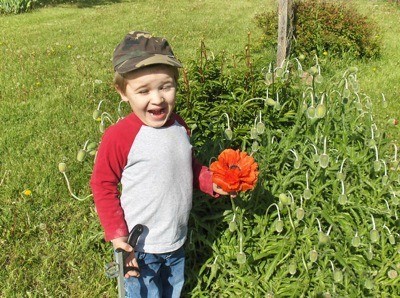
(131, 260)
(220, 191)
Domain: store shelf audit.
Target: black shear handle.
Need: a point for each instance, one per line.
(132, 241)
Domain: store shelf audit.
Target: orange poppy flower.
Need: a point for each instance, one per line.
(234, 171)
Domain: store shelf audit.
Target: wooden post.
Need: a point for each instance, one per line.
(285, 30)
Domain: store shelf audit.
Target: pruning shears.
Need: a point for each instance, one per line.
(118, 268)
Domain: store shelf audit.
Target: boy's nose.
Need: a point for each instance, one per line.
(157, 98)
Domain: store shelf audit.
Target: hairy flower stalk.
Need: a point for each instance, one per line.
(228, 130)
(342, 197)
(62, 169)
(297, 161)
(279, 222)
(307, 191)
(377, 163)
(322, 237)
(324, 158)
(374, 234)
(105, 116)
(341, 175)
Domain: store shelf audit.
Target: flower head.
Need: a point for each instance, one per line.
(234, 171)
(27, 192)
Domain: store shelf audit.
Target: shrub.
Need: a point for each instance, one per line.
(15, 6)
(322, 26)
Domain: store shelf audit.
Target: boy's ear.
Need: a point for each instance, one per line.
(121, 93)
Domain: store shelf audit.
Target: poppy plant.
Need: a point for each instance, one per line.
(234, 171)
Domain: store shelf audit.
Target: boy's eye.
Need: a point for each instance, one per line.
(166, 87)
(142, 91)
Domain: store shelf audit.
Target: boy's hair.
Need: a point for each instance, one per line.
(120, 80)
(140, 49)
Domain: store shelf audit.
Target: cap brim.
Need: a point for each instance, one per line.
(138, 62)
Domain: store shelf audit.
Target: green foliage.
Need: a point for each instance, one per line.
(16, 6)
(325, 26)
(234, 91)
(325, 212)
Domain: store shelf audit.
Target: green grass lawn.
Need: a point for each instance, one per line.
(55, 67)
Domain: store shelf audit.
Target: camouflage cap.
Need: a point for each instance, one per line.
(139, 49)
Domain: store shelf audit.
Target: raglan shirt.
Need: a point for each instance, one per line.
(145, 175)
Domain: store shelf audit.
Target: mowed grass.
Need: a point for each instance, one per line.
(55, 67)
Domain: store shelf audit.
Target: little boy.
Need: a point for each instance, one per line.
(149, 154)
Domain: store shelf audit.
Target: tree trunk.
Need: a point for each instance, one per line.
(285, 30)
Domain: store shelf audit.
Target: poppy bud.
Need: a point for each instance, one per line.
(270, 102)
(319, 79)
(62, 167)
(96, 114)
(323, 160)
(338, 276)
(311, 112)
(292, 268)
(241, 258)
(392, 240)
(341, 176)
(91, 146)
(81, 155)
(228, 133)
(313, 255)
(260, 127)
(232, 226)
(279, 226)
(300, 213)
(356, 241)
(284, 199)
(307, 193)
(323, 238)
(342, 199)
(374, 234)
(392, 274)
(253, 133)
(320, 111)
(313, 70)
(369, 284)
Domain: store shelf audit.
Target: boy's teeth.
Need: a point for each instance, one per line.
(156, 112)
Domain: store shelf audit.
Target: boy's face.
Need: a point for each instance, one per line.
(150, 92)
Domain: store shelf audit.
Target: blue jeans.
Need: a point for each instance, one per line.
(161, 275)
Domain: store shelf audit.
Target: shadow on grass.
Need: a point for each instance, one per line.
(78, 3)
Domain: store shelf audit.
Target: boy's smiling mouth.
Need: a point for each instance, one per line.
(157, 112)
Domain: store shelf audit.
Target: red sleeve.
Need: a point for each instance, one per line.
(110, 161)
(202, 177)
